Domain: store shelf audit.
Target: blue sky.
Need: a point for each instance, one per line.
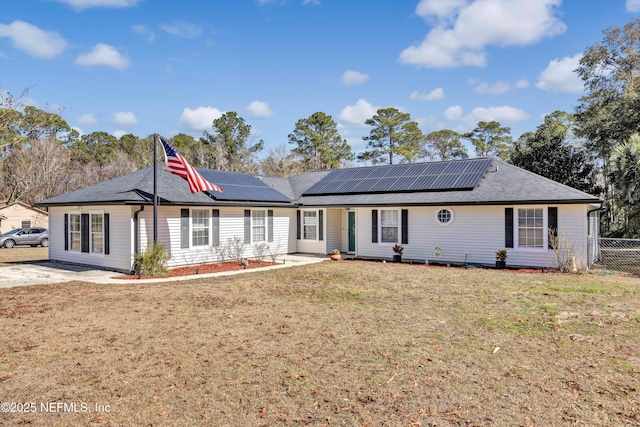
(152, 66)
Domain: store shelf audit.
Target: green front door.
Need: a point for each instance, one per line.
(352, 231)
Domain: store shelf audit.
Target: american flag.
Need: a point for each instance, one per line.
(177, 165)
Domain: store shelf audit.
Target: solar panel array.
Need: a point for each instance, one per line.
(436, 176)
(241, 187)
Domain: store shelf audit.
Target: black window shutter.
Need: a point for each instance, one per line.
(405, 226)
(374, 226)
(215, 227)
(320, 225)
(552, 222)
(508, 227)
(247, 226)
(106, 234)
(298, 225)
(270, 225)
(84, 232)
(66, 232)
(184, 228)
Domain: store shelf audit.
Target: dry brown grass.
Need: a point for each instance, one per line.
(340, 343)
(23, 253)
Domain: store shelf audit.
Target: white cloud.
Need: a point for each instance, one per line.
(259, 110)
(199, 119)
(103, 55)
(357, 114)
(87, 120)
(453, 113)
(437, 93)
(34, 41)
(461, 39)
(144, 31)
(499, 114)
(85, 4)
(633, 5)
(559, 76)
(119, 133)
(125, 119)
(500, 87)
(441, 9)
(351, 77)
(183, 29)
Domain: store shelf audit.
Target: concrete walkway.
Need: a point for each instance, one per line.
(47, 272)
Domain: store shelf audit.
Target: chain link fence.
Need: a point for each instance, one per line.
(615, 254)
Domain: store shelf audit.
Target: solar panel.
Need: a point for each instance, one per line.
(241, 187)
(434, 176)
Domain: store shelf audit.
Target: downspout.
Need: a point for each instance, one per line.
(136, 243)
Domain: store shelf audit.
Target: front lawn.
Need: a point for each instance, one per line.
(337, 343)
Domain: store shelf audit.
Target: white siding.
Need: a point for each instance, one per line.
(335, 230)
(231, 226)
(477, 231)
(120, 238)
(315, 246)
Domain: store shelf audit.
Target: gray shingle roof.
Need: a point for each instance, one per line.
(501, 184)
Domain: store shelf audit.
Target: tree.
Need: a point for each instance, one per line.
(282, 162)
(319, 143)
(553, 152)
(626, 178)
(393, 133)
(491, 139)
(444, 144)
(231, 149)
(610, 113)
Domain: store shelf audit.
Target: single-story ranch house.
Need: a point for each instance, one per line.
(459, 211)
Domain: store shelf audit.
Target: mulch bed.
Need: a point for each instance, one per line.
(204, 269)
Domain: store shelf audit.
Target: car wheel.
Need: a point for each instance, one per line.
(9, 244)
(44, 243)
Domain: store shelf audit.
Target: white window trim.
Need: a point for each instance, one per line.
(318, 225)
(91, 213)
(79, 250)
(545, 228)
(191, 245)
(266, 226)
(399, 213)
(444, 224)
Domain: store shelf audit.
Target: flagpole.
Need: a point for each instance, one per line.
(155, 189)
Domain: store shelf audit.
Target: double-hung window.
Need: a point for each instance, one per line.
(259, 226)
(97, 233)
(389, 225)
(531, 229)
(310, 225)
(200, 227)
(74, 231)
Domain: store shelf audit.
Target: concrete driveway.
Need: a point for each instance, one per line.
(47, 272)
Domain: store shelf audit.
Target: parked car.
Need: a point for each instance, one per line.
(25, 236)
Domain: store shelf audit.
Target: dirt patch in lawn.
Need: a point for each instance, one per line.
(219, 267)
(334, 343)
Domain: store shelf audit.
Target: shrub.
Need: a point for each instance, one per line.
(151, 262)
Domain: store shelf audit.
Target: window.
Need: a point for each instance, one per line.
(200, 227)
(531, 228)
(25, 224)
(444, 216)
(259, 225)
(74, 231)
(389, 226)
(310, 225)
(97, 233)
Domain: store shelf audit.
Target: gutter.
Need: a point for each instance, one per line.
(136, 243)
